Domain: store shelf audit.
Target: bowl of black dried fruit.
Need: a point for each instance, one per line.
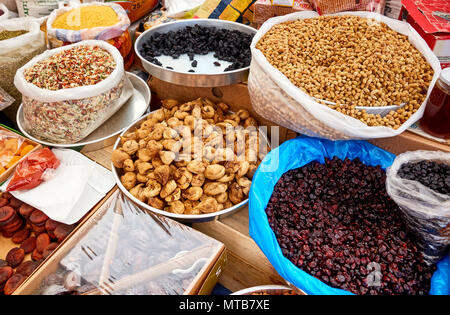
(324, 220)
(198, 52)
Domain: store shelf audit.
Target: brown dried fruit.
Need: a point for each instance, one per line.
(15, 203)
(62, 231)
(35, 255)
(49, 249)
(51, 225)
(42, 241)
(13, 283)
(13, 226)
(3, 263)
(3, 202)
(6, 213)
(15, 257)
(20, 236)
(38, 217)
(6, 272)
(25, 210)
(27, 267)
(29, 244)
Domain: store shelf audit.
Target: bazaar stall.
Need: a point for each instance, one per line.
(224, 147)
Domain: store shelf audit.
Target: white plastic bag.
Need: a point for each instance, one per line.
(69, 115)
(178, 8)
(427, 212)
(5, 14)
(17, 51)
(277, 99)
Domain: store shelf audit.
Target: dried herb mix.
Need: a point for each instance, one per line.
(336, 222)
(228, 45)
(75, 67)
(4, 35)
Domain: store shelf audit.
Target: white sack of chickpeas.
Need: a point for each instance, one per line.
(312, 74)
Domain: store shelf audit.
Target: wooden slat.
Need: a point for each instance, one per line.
(238, 221)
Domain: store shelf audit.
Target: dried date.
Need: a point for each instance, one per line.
(27, 267)
(15, 257)
(29, 244)
(13, 283)
(62, 231)
(6, 272)
(42, 241)
(3, 263)
(35, 255)
(49, 249)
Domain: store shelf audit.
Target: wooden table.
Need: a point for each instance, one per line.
(246, 266)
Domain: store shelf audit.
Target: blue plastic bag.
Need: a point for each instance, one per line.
(294, 154)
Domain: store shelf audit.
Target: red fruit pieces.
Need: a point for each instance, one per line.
(42, 241)
(49, 249)
(35, 255)
(15, 257)
(13, 283)
(3, 202)
(51, 225)
(20, 236)
(27, 267)
(6, 213)
(29, 244)
(15, 203)
(63, 230)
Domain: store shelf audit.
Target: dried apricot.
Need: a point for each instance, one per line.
(6, 195)
(13, 283)
(63, 230)
(13, 226)
(49, 249)
(35, 255)
(3, 202)
(5, 273)
(6, 212)
(42, 241)
(15, 203)
(20, 236)
(38, 217)
(38, 229)
(29, 244)
(51, 225)
(15, 257)
(27, 267)
(25, 210)
(26, 150)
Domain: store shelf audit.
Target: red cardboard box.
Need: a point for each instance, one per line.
(431, 19)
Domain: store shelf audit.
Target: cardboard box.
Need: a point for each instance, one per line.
(115, 242)
(431, 19)
(6, 244)
(5, 175)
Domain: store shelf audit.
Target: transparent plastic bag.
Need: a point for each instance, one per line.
(427, 211)
(69, 115)
(10, 145)
(277, 99)
(125, 250)
(5, 15)
(17, 51)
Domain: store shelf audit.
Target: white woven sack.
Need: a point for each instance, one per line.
(276, 98)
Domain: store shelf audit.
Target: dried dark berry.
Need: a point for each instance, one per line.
(336, 221)
(217, 64)
(194, 63)
(433, 175)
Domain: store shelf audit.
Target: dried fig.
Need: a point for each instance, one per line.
(196, 167)
(214, 188)
(162, 174)
(174, 196)
(128, 180)
(235, 193)
(128, 165)
(222, 198)
(167, 157)
(169, 103)
(198, 180)
(177, 207)
(155, 202)
(207, 206)
(118, 156)
(215, 171)
(168, 188)
(193, 193)
(143, 167)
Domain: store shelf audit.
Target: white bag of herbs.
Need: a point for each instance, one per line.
(17, 51)
(68, 92)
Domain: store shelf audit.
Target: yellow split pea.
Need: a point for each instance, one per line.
(86, 17)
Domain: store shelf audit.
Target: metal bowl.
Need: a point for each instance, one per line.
(188, 78)
(106, 134)
(269, 289)
(185, 218)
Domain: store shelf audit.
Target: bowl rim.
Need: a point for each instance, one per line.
(259, 288)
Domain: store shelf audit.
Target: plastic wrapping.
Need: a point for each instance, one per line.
(276, 98)
(294, 154)
(10, 145)
(5, 15)
(125, 250)
(427, 211)
(17, 51)
(5, 99)
(333, 6)
(69, 115)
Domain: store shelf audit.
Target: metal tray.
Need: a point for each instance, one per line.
(185, 218)
(106, 134)
(211, 76)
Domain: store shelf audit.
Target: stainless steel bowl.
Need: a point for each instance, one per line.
(187, 78)
(269, 289)
(185, 218)
(106, 134)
